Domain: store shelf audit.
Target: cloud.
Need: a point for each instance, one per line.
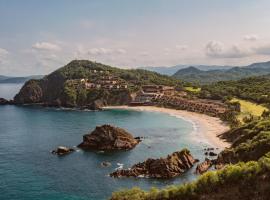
(3, 54)
(251, 37)
(46, 46)
(216, 49)
(181, 47)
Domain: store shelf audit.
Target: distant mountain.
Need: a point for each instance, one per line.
(7, 79)
(172, 70)
(195, 75)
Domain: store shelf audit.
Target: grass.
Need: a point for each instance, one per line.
(193, 89)
(249, 108)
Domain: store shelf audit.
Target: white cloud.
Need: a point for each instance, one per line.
(217, 49)
(3, 55)
(251, 37)
(121, 51)
(46, 46)
(181, 47)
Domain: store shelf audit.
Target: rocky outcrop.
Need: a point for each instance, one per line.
(108, 137)
(204, 166)
(172, 166)
(31, 92)
(62, 150)
(4, 101)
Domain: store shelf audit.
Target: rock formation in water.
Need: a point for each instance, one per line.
(62, 150)
(4, 101)
(107, 137)
(172, 166)
(204, 166)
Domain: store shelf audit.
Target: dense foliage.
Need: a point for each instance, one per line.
(63, 87)
(84, 69)
(256, 89)
(249, 142)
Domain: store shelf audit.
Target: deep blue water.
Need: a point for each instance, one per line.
(29, 171)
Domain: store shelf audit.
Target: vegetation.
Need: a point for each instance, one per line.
(84, 69)
(60, 87)
(249, 110)
(193, 89)
(250, 141)
(246, 175)
(194, 75)
(255, 89)
(211, 184)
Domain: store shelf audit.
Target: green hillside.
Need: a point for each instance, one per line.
(256, 89)
(63, 87)
(195, 75)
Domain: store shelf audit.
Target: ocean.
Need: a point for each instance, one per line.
(29, 171)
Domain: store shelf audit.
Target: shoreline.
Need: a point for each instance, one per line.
(204, 126)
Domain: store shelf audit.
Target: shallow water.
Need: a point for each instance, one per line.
(29, 171)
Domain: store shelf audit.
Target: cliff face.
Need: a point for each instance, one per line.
(54, 90)
(172, 166)
(31, 92)
(64, 87)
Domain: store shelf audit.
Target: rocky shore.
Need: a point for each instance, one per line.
(6, 102)
(107, 137)
(174, 165)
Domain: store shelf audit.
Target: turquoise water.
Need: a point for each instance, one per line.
(29, 171)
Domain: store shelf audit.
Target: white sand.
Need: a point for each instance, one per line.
(205, 127)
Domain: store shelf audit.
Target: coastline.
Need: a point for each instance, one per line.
(205, 126)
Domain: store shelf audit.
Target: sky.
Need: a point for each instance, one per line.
(37, 36)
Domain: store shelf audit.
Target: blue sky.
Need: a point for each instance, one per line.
(38, 36)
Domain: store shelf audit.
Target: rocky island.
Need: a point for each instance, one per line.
(174, 165)
(108, 137)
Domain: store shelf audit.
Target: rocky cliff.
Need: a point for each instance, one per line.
(63, 87)
(172, 166)
(108, 137)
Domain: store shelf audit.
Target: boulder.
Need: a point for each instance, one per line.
(105, 164)
(204, 166)
(212, 153)
(61, 150)
(172, 166)
(107, 137)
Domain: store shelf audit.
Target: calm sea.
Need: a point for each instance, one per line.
(29, 171)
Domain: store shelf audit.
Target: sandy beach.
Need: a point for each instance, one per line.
(205, 126)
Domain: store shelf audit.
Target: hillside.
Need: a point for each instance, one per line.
(254, 89)
(246, 175)
(173, 69)
(195, 75)
(7, 79)
(84, 83)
